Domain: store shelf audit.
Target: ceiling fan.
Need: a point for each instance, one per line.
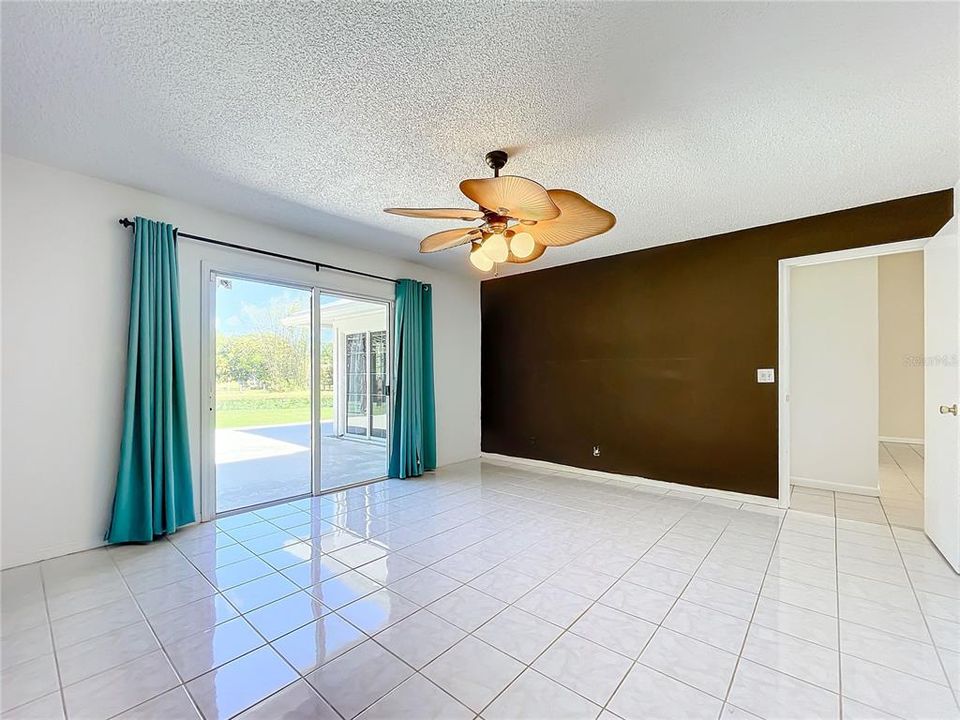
(521, 218)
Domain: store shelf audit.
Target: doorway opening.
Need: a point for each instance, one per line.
(853, 385)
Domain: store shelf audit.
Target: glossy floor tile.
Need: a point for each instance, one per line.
(493, 591)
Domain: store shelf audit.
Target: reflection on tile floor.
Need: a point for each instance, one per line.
(499, 592)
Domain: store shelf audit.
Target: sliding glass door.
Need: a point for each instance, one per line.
(301, 383)
(367, 384)
(264, 390)
(354, 368)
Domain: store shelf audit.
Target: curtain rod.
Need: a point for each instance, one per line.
(127, 223)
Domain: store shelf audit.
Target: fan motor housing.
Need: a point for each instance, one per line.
(496, 159)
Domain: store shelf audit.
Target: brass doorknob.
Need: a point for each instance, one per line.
(948, 409)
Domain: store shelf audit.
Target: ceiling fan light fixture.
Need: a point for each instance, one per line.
(521, 244)
(519, 219)
(479, 259)
(495, 247)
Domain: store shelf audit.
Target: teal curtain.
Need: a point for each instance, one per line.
(414, 441)
(154, 494)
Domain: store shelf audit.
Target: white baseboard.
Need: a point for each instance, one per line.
(909, 441)
(26, 556)
(661, 484)
(835, 486)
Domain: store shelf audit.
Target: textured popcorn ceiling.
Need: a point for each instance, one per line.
(685, 120)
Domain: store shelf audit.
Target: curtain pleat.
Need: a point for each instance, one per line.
(154, 491)
(413, 448)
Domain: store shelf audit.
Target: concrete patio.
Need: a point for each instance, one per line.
(261, 464)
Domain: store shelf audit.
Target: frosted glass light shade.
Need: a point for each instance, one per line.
(495, 247)
(479, 259)
(521, 244)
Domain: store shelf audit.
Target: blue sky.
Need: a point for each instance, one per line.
(238, 306)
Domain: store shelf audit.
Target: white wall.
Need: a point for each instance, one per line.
(900, 292)
(65, 302)
(834, 374)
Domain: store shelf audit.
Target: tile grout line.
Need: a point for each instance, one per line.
(269, 643)
(564, 515)
(334, 612)
(926, 624)
(529, 666)
(266, 642)
(156, 638)
(53, 644)
(634, 661)
(756, 602)
(693, 575)
(658, 499)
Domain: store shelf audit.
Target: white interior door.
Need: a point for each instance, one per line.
(941, 269)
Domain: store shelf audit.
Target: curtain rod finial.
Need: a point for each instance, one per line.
(126, 222)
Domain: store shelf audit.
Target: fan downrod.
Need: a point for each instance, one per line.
(496, 159)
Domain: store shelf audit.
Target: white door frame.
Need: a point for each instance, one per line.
(242, 265)
(783, 352)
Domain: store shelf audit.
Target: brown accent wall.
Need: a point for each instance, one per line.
(652, 355)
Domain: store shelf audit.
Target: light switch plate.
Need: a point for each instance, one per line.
(765, 375)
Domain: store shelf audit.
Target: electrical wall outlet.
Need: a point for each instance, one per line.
(766, 375)
(596, 451)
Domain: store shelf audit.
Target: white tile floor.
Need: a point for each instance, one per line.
(498, 592)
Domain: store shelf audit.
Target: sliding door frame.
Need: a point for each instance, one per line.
(267, 270)
(389, 308)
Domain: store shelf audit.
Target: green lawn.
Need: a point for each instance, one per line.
(249, 408)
